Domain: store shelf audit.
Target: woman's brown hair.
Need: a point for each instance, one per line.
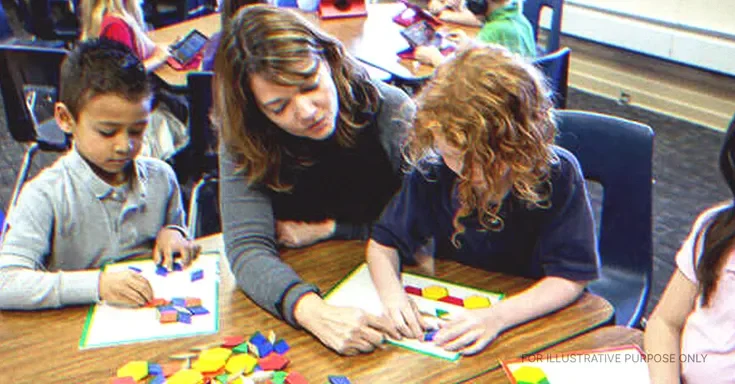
(719, 234)
(495, 108)
(274, 43)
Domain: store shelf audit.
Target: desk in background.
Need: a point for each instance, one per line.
(42, 346)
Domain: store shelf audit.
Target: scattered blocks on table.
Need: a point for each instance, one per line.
(476, 302)
(161, 270)
(124, 380)
(241, 363)
(434, 292)
(157, 302)
(169, 369)
(157, 379)
(135, 369)
(412, 290)
(452, 300)
(295, 378)
(242, 348)
(197, 274)
(205, 365)
(273, 362)
(178, 267)
(333, 379)
(186, 376)
(271, 337)
(440, 313)
(279, 377)
(192, 302)
(135, 269)
(184, 318)
(167, 315)
(530, 375)
(232, 341)
(217, 353)
(261, 346)
(429, 336)
(198, 311)
(178, 302)
(281, 347)
(155, 369)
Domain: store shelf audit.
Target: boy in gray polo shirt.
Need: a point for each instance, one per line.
(99, 202)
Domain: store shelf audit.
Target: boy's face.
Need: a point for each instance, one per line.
(108, 133)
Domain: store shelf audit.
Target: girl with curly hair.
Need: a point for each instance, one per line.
(492, 191)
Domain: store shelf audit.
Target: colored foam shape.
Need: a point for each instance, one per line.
(295, 378)
(434, 292)
(429, 336)
(157, 302)
(476, 302)
(192, 302)
(178, 267)
(232, 341)
(412, 290)
(135, 269)
(333, 379)
(198, 311)
(440, 313)
(197, 275)
(186, 376)
(135, 369)
(182, 310)
(170, 368)
(281, 347)
(271, 337)
(178, 302)
(241, 363)
(205, 365)
(184, 318)
(218, 353)
(530, 375)
(168, 316)
(452, 300)
(124, 380)
(279, 377)
(161, 270)
(155, 369)
(258, 338)
(158, 379)
(260, 346)
(273, 362)
(242, 348)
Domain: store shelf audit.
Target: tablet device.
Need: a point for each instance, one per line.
(187, 48)
(421, 33)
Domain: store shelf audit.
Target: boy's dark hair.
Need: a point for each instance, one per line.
(101, 66)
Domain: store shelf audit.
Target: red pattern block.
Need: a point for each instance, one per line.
(295, 378)
(273, 362)
(123, 380)
(453, 300)
(413, 290)
(233, 341)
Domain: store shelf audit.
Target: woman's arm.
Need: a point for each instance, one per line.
(663, 330)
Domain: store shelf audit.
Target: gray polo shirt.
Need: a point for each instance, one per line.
(68, 222)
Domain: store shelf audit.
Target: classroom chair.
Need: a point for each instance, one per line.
(30, 81)
(555, 67)
(200, 157)
(5, 31)
(617, 153)
(160, 13)
(50, 19)
(532, 10)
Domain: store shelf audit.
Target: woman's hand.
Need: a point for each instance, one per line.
(470, 332)
(297, 234)
(346, 330)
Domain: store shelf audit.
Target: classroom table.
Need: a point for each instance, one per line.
(605, 337)
(42, 346)
(374, 39)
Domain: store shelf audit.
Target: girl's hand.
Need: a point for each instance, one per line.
(404, 316)
(429, 55)
(297, 234)
(469, 332)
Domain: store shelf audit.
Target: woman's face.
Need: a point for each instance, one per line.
(309, 110)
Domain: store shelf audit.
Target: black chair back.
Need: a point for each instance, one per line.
(532, 10)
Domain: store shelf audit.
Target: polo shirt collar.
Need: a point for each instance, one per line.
(99, 187)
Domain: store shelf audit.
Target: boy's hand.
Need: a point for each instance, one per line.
(125, 288)
(428, 55)
(170, 242)
(470, 332)
(404, 316)
(296, 234)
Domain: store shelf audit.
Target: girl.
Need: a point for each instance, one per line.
(122, 20)
(694, 319)
(310, 151)
(492, 191)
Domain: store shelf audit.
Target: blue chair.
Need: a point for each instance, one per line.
(618, 154)
(30, 81)
(5, 31)
(555, 67)
(532, 10)
(202, 157)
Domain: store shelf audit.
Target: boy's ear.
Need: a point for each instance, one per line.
(63, 117)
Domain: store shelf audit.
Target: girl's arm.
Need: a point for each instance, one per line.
(663, 330)
(158, 58)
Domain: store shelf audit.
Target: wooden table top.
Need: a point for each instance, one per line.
(605, 337)
(374, 39)
(42, 346)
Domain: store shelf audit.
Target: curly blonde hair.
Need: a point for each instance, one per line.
(495, 108)
(275, 42)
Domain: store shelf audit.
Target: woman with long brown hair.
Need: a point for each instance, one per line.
(492, 191)
(310, 150)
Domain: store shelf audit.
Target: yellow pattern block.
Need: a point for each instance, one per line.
(434, 292)
(241, 363)
(208, 365)
(135, 369)
(530, 375)
(186, 376)
(475, 302)
(216, 354)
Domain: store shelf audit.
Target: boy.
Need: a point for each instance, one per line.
(98, 203)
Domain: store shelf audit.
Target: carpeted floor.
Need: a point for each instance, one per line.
(685, 172)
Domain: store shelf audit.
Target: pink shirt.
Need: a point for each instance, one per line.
(708, 337)
(117, 29)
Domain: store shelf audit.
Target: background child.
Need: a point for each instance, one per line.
(502, 23)
(694, 318)
(229, 7)
(492, 191)
(98, 203)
